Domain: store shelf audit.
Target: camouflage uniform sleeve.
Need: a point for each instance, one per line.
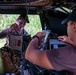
(4, 33)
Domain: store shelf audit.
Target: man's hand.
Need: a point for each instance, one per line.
(66, 39)
(40, 35)
(13, 27)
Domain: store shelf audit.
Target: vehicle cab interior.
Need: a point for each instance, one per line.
(51, 14)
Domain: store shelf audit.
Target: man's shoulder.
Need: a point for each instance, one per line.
(65, 47)
(25, 31)
(5, 30)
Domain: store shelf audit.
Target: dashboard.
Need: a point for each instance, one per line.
(55, 43)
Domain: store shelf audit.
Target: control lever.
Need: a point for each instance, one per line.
(43, 44)
(46, 32)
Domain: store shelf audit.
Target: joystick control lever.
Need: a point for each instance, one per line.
(46, 32)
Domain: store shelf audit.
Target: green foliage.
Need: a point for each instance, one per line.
(33, 27)
(6, 20)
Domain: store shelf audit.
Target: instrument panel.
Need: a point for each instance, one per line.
(55, 43)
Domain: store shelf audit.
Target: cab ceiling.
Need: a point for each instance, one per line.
(20, 6)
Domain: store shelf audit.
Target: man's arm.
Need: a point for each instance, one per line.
(66, 39)
(4, 33)
(38, 57)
